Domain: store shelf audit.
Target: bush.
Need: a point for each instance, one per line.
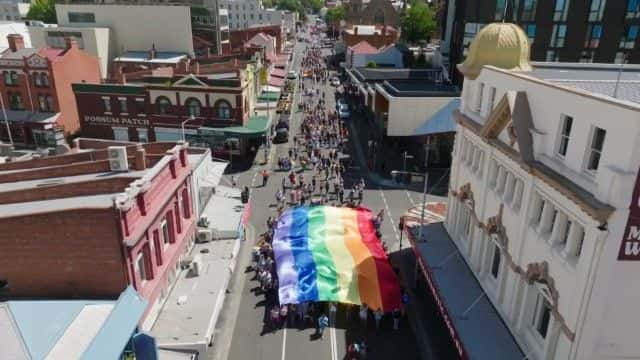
(372, 64)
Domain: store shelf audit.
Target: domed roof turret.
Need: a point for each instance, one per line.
(502, 45)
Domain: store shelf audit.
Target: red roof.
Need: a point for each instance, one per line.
(50, 53)
(363, 47)
(278, 73)
(276, 81)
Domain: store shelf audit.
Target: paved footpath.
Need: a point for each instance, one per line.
(240, 333)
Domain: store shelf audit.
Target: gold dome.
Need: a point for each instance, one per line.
(502, 45)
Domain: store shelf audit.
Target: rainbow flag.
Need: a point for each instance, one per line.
(328, 253)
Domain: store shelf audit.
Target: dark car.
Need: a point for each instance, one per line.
(281, 136)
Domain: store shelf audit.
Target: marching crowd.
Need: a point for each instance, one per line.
(315, 167)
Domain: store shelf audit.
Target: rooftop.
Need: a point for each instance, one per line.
(363, 47)
(161, 57)
(594, 78)
(380, 74)
(70, 329)
(413, 88)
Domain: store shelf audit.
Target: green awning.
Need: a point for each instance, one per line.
(270, 96)
(256, 126)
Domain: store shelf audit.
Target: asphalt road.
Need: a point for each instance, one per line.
(246, 336)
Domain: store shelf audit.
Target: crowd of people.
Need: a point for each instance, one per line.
(316, 167)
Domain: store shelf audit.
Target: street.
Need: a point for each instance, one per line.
(246, 337)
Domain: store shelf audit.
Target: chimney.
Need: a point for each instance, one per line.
(16, 42)
(152, 52)
(355, 29)
(140, 162)
(70, 42)
(384, 30)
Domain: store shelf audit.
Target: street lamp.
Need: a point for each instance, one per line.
(190, 118)
(394, 173)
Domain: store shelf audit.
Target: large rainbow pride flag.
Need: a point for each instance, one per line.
(328, 253)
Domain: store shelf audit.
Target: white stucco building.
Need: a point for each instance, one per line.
(13, 10)
(247, 13)
(544, 166)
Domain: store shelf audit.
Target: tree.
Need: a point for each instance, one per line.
(43, 10)
(419, 22)
(335, 14)
(291, 5)
(268, 3)
(372, 64)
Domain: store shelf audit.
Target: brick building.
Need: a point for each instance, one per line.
(89, 223)
(373, 12)
(213, 106)
(378, 36)
(239, 37)
(36, 91)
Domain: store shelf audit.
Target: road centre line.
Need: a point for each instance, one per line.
(284, 343)
(386, 205)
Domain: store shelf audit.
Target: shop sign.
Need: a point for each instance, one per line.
(115, 120)
(630, 246)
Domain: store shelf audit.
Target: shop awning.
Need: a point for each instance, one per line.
(270, 96)
(278, 73)
(255, 127)
(276, 81)
(267, 88)
(475, 326)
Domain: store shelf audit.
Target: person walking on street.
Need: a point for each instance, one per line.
(233, 181)
(323, 322)
(363, 314)
(377, 315)
(333, 309)
(396, 318)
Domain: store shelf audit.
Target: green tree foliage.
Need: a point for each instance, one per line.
(268, 3)
(372, 64)
(419, 22)
(335, 14)
(43, 10)
(291, 5)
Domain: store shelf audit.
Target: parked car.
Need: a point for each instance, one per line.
(281, 136)
(343, 112)
(335, 81)
(341, 102)
(292, 75)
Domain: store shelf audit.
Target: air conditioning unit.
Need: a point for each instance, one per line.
(196, 265)
(118, 158)
(205, 235)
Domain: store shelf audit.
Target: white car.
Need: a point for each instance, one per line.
(343, 112)
(335, 82)
(292, 75)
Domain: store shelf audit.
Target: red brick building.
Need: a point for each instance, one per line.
(89, 223)
(239, 37)
(213, 105)
(36, 91)
(376, 35)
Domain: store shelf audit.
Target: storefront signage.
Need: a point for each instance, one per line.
(115, 120)
(439, 303)
(630, 246)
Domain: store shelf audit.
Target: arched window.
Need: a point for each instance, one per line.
(37, 80)
(223, 109)
(163, 104)
(193, 106)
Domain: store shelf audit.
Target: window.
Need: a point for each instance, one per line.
(14, 77)
(106, 102)
(542, 316)
(156, 241)
(560, 10)
(260, 16)
(120, 133)
(629, 37)
(596, 10)
(580, 243)
(467, 224)
(595, 151)
(251, 16)
(470, 31)
(141, 266)
(517, 196)
(479, 98)
(42, 103)
(565, 235)
(37, 79)
(553, 55)
(140, 106)
(165, 233)
(529, 10)
(7, 78)
(15, 102)
(163, 104)
(143, 136)
(224, 110)
(594, 33)
(193, 107)
(501, 5)
(558, 34)
(633, 9)
(492, 99)
(50, 104)
(531, 32)
(45, 79)
(537, 217)
(82, 17)
(565, 134)
(186, 209)
(123, 106)
(495, 263)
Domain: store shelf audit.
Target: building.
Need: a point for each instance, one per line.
(372, 12)
(244, 14)
(542, 207)
(210, 104)
(362, 54)
(376, 36)
(75, 329)
(8, 27)
(240, 37)
(105, 216)
(12, 10)
(597, 31)
(37, 100)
